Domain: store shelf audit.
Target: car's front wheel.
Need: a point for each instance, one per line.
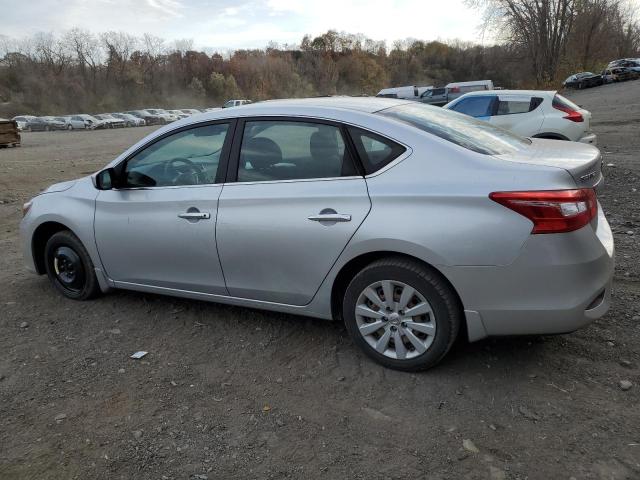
(69, 267)
(402, 314)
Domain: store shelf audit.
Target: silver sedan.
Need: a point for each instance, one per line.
(409, 223)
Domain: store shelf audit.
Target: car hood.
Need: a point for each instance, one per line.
(60, 187)
(582, 161)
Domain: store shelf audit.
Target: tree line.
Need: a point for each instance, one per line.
(538, 43)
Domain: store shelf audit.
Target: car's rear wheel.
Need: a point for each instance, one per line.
(69, 267)
(402, 314)
(69, 127)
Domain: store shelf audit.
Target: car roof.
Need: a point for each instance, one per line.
(509, 92)
(359, 104)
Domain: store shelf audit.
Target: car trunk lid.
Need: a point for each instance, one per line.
(582, 161)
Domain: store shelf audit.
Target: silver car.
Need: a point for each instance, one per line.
(409, 223)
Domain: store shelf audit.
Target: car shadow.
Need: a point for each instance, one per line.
(499, 353)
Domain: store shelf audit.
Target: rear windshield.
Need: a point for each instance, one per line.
(472, 134)
(560, 101)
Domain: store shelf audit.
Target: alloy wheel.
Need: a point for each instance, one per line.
(395, 319)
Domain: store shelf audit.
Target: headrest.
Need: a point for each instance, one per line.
(262, 153)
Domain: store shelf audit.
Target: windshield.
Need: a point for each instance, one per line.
(465, 131)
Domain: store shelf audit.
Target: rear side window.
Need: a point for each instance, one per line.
(374, 150)
(291, 150)
(515, 105)
(475, 106)
(467, 132)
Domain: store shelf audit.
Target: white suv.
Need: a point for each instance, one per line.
(530, 113)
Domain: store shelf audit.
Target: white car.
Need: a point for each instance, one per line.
(235, 103)
(163, 114)
(179, 113)
(530, 113)
(87, 122)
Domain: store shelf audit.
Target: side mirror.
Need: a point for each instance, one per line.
(104, 179)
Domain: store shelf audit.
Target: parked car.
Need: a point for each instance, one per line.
(530, 113)
(583, 80)
(9, 135)
(235, 103)
(90, 122)
(55, 123)
(110, 120)
(37, 124)
(149, 118)
(179, 114)
(24, 121)
(65, 120)
(620, 74)
(130, 120)
(165, 117)
(74, 122)
(411, 92)
(408, 222)
(191, 111)
(630, 63)
(435, 96)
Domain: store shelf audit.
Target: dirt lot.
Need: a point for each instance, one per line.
(235, 393)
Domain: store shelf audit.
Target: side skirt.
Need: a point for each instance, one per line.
(210, 297)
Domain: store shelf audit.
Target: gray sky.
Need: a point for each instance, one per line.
(226, 24)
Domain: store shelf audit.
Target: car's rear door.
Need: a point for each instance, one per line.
(520, 114)
(158, 228)
(293, 200)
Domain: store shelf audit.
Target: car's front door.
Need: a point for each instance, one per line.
(480, 107)
(294, 202)
(158, 227)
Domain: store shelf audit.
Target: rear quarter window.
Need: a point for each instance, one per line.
(374, 151)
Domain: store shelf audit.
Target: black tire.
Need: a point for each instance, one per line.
(430, 284)
(69, 267)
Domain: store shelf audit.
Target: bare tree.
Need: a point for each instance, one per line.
(541, 27)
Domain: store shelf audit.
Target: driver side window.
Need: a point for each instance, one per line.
(189, 157)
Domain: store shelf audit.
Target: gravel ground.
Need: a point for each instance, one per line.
(229, 392)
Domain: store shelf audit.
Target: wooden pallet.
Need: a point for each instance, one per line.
(9, 136)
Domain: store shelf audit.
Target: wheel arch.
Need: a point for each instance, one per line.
(41, 235)
(357, 263)
(550, 136)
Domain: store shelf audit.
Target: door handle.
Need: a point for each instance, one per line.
(330, 217)
(195, 215)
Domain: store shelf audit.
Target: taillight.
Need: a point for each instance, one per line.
(454, 90)
(552, 211)
(571, 114)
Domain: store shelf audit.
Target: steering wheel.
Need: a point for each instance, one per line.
(182, 171)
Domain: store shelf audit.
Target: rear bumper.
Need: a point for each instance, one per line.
(558, 284)
(591, 139)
